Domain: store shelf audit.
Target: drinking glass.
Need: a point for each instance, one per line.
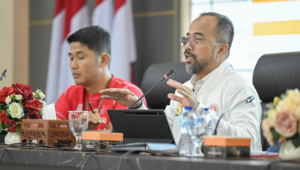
(78, 123)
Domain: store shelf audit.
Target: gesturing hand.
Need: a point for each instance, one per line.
(187, 99)
(123, 96)
(95, 119)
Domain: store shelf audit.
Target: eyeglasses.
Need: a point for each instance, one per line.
(193, 41)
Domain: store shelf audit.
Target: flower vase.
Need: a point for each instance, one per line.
(12, 137)
(289, 151)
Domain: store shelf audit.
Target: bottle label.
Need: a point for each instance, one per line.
(184, 123)
(210, 122)
(200, 119)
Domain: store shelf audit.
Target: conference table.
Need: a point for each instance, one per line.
(46, 159)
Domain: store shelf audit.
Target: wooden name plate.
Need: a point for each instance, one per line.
(47, 132)
(223, 147)
(94, 140)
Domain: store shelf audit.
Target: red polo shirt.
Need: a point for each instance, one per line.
(76, 95)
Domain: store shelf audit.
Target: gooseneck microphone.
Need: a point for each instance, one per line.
(166, 75)
(3, 75)
(248, 100)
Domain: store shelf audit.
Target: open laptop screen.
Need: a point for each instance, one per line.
(141, 125)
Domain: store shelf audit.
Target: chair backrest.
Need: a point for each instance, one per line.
(273, 75)
(157, 98)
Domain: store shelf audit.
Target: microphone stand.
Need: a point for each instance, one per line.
(248, 100)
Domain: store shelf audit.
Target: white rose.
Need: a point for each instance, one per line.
(7, 100)
(16, 110)
(41, 95)
(19, 97)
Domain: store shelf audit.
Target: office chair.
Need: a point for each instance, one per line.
(272, 76)
(157, 98)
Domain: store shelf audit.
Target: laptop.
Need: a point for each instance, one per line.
(142, 126)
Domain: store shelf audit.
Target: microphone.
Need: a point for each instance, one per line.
(248, 100)
(3, 75)
(166, 75)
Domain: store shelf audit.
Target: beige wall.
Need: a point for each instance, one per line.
(6, 40)
(14, 33)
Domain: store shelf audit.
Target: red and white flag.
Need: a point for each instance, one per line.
(103, 14)
(69, 17)
(123, 41)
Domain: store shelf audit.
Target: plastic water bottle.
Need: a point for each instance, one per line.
(209, 124)
(201, 129)
(188, 128)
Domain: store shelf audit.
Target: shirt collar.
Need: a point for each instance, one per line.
(194, 79)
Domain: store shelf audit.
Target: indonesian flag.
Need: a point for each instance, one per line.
(103, 14)
(123, 41)
(69, 17)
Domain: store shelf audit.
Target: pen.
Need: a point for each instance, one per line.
(91, 107)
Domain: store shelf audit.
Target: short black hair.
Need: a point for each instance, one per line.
(94, 37)
(224, 30)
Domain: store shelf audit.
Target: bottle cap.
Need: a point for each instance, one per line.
(206, 109)
(188, 107)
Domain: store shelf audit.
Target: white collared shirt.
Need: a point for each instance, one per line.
(222, 90)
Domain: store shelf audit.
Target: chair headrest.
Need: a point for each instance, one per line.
(157, 98)
(275, 73)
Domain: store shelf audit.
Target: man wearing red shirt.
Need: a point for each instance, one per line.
(89, 60)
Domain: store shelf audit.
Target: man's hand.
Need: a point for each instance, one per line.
(95, 119)
(187, 99)
(123, 96)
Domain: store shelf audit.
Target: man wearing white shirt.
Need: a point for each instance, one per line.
(214, 84)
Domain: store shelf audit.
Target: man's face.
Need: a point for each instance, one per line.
(83, 64)
(201, 57)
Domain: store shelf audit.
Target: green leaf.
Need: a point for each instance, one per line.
(275, 135)
(282, 96)
(18, 127)
(2, 106)
(265, 116)
(7, 114)
(20, 102)
(295, 140)
(1, 128)
(4, 126)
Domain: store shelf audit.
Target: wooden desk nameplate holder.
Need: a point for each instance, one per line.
(223, 147)
(94, 140)
(47, 132)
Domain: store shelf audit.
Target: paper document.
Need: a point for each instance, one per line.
(145, 146)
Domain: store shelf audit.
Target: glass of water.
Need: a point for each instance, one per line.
(78, 123)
